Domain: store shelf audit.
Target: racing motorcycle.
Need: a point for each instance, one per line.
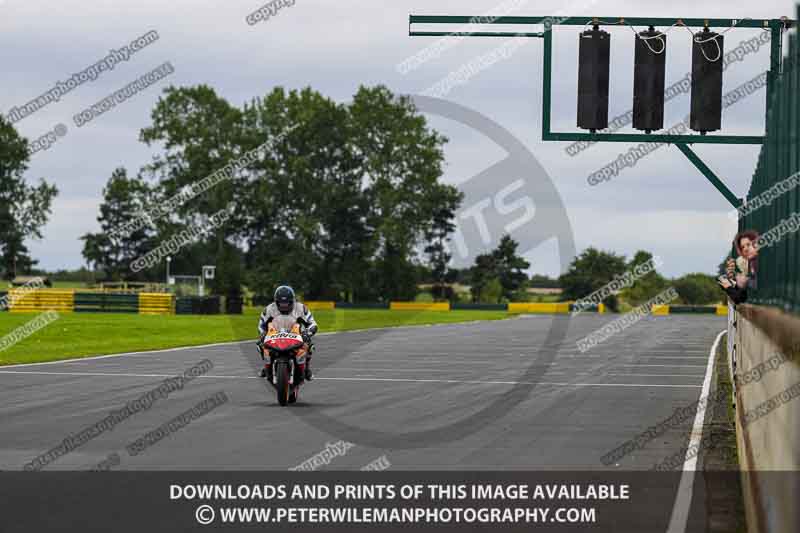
(285, 347)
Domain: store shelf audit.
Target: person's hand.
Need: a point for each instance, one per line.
(730, 267)
(725, 282)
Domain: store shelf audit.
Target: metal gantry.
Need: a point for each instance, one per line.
(775, 26)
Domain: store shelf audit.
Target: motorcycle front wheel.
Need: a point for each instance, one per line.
(282, 384)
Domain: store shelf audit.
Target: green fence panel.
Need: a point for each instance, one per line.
(778, 276)
(100, 302)
(196, 305)
(693, 309)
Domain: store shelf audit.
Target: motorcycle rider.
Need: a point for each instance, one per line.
(285, 303)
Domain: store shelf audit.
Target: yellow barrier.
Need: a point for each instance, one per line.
(660, 310)
(320, 306)
(560, 308)
(601, 308)
(419, 306)
(28, 301)
(722, 310)
(155, 303)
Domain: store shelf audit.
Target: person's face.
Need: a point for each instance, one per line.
(748, 248)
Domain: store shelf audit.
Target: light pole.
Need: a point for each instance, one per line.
(169, 260)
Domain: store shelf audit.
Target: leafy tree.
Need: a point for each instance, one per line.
(480, 275)
(305, 200)
(438, 253)
(24, 209)
(501, 264)
(647, 286)
(492, 292)
(698, 289)
(336, 203)
(201, 133)
(510, 267)
(124, 199)
(590, 271)
(401, 160)
(543, 282)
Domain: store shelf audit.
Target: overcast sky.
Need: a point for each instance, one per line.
(662, 204)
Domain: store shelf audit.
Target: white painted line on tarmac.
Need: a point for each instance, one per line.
(397, 380)
(553, 383)
(683, 499)
(117, 374)
(89, 358)
(669, 366)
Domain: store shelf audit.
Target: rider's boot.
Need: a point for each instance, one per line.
(266, 372)
(308, 374)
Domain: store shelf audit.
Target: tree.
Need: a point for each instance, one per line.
(438, 253)
(503, 265)
(510, 267)
(336, 201)
(305, 200)
(124, 200)
(401, 160)
(543, 282)
(590, 271)
(492, 292)
(698, 289)
(201, 133)
(24, 209)
(647, 286)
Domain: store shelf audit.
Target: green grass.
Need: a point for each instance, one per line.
(69, 285)
(85, 334)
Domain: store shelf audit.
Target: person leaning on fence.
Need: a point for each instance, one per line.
(740, 274)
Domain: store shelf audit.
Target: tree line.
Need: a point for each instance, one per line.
(346, 203)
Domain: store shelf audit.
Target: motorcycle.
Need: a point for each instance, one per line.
(286, 349)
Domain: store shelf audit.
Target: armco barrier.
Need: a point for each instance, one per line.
(100, 302)
(154, 303)
(478, 307)
(27, 301)
(362, 305)
(659, 310)
(559, 308)
(320, 306)
(419, 306)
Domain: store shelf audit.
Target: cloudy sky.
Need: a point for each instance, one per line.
(662, 204)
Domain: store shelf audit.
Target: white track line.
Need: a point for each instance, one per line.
(668, 366)
(89, 358)
(683, 499)
(397, 380)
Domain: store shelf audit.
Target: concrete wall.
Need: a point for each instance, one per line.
(768, 416)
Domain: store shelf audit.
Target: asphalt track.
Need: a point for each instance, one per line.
(398, 381)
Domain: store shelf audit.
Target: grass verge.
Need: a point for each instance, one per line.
(85, 334)
(724, 503)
